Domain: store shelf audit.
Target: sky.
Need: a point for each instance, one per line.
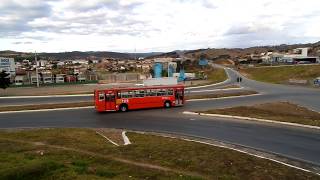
(155, 25)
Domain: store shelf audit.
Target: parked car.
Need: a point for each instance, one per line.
(317, 81)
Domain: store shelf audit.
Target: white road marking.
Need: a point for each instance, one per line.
(252, 119)
(107, 139)
(125, 138)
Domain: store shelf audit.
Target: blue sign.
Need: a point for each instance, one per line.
(157, 68)
(171, 70)
(182, 76)
(203, 62)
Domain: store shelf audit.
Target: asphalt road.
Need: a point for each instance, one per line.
(297, 143)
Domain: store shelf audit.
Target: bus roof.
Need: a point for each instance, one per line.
(143, 87)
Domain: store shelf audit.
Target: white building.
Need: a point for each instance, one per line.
(160, 81)
(34, 79)
(42, 63)
(8, 65)
(80, 61)
(18, 80)
(60, 78)
(300, 55)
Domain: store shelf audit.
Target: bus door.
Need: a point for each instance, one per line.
(179, 93)
(100, 102)
(110, 101)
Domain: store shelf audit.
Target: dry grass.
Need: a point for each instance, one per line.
(282, 74)
(219, 95)
(225, 62)
(45, 106)
(82, 154)
(278, 111)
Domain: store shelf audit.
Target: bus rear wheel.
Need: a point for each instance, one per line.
(123, 108)
(167, 104)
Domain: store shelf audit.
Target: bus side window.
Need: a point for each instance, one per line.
(153, 92)
(118, 94)
(139, 93)
(149, 92)
(161, 92)
(111, 97)
(130, 94)
(124, 94)
(142, 93)
(101, 96)
(170, 92)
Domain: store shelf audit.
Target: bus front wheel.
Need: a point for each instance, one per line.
(123, 108)
(167, 104)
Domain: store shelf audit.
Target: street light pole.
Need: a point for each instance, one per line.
(168, 68)
(37, 75)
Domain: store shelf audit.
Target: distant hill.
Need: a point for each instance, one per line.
(230, 53)
(77, 55)
(210, 53)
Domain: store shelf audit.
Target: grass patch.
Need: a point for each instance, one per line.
(278, 111)
(281, 75)
(85, 155)
(215, 75)
(219, 95)
(45, 106)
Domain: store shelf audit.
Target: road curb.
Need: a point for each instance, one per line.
(252, 119)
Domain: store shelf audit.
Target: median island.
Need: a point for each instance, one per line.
(46, 106)
(221, 95)
(87, 154)
(277, 111)
(91, 103)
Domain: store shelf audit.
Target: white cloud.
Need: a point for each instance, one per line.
(158, 25)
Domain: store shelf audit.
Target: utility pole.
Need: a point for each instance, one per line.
(37, 75)
(168, 68)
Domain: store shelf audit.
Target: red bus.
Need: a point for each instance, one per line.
(124, 99)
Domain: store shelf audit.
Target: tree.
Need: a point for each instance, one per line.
(4, 80)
